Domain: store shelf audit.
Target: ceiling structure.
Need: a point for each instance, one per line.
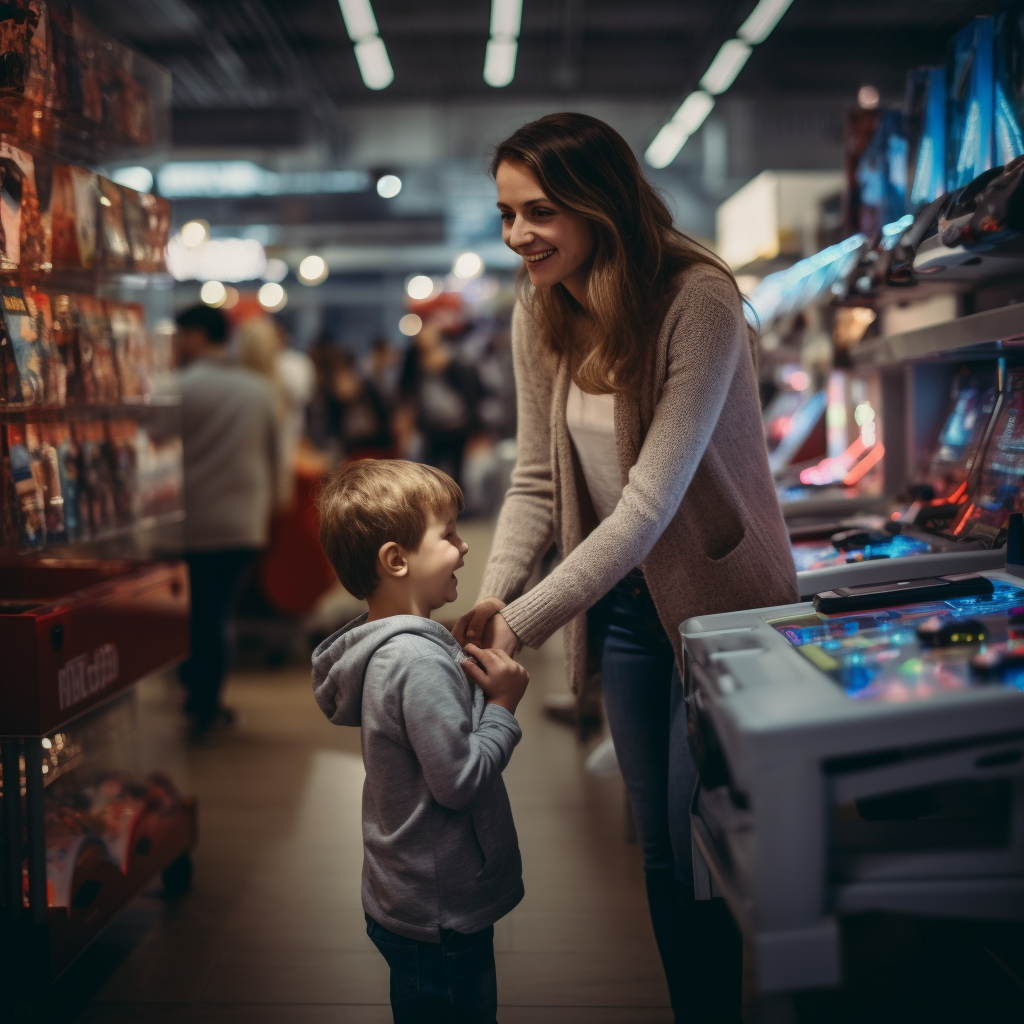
(287, 54)
(276, 82)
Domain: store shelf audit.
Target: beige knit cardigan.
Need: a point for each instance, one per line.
(698, 513)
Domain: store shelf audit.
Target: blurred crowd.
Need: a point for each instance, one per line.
(263, 422)
(446, 400)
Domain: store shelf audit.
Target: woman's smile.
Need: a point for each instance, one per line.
(536, 257)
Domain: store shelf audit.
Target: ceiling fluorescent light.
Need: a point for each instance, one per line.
(359, 19)
(693, 110)
(763, 18)
(500, 62)
(374, 65)
(672, 137)
(725, 67)
(506, 18)
(666, 145)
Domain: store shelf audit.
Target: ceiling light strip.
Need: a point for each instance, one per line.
(502, 47)
(763, 18)
(724, 68)
(371, 53)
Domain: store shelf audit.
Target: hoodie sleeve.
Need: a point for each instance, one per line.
(459, 763)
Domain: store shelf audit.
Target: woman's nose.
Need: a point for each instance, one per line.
(520, 234)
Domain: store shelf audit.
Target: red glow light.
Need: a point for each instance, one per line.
(869, 461)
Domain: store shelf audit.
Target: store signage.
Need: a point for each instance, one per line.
(85, 676)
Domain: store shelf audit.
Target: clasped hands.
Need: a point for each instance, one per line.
(484, 626)
(491, 645)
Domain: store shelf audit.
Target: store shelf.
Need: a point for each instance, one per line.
(81, 632)
(129, 408)
(71, 929)
(98, 280)
(992, 332)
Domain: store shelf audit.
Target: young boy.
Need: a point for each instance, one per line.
(441, 858)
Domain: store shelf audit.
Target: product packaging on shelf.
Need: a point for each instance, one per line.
(63, 84)
(90, 477)
(28, 503)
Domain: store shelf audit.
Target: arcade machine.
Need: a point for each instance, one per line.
(794, 428)
(864, 752)
(930, 527)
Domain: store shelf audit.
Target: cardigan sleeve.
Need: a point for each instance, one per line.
(707, 337)
(525, 528)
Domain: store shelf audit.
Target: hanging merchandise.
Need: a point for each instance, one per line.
(1009, 90)
(926, 135)
(970, 75)
(882, 174)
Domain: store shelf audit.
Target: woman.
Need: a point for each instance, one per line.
(642, 455)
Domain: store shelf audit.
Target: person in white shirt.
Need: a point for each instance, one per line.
(230, 441)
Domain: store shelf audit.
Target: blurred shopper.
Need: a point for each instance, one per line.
(444, 395)
(347, 418)
(363, 419)
(383, 367)
(639, 423)
(260, 345)
(296, 375)
(230, 438)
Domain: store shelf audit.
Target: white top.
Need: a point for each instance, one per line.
(591, 423)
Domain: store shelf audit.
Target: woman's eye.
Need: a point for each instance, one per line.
(506, 217)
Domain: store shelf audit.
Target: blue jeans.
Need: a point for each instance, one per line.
(448, 982)
(701, 950)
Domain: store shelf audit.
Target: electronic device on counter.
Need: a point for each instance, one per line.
(861, 760)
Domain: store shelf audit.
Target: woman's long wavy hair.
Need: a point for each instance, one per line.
(585, 166)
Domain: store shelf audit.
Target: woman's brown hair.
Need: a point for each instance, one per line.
(585, 166)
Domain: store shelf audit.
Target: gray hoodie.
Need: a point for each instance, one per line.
(440, 847)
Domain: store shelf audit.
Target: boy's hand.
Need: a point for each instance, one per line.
(503, 681)
(484, 624)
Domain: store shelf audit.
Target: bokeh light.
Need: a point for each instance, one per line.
(313, 270)
(195, 232)
(419, 287)
(389, 185)
(410, 325)
(213, 293)
(468, 265)
(272, 297)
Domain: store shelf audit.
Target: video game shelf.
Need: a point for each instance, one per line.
(78, 464)
(66, 86)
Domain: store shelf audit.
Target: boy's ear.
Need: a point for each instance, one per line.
(392, 560)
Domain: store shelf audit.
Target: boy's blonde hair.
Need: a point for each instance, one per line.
(373, 501)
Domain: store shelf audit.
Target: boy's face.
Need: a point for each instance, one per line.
(432, 566)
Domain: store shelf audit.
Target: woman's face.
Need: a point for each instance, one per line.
(555, 243)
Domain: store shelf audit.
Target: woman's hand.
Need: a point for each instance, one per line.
(484, 626)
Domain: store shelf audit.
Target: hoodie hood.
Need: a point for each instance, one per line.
(340, 662)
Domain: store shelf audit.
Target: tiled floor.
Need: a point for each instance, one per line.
(272, 930)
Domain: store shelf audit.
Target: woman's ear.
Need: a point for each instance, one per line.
(392, 560)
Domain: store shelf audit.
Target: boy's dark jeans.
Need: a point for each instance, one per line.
(450, 982)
